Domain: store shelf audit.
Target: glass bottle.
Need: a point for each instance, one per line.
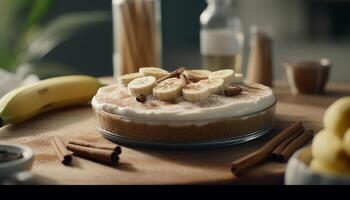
(221, 36)
(137, 35)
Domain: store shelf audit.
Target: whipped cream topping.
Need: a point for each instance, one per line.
(115, 99)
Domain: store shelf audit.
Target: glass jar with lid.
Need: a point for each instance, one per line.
(221, 36)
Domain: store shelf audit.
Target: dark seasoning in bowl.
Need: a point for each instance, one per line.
(6, 156)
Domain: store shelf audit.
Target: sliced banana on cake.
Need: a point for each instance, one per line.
(216, 85)
(143, 85)
(238, 79)
(168, 89)
(196, 91)
(127, 78)
(153, 71)
(196, 75)
(227, 74)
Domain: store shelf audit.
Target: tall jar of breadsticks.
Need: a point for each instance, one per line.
(137, 35)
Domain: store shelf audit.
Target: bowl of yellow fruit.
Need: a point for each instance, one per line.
(327, 161)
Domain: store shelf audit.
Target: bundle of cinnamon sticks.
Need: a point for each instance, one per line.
(137, 36)
(280, 148)
(105, 153)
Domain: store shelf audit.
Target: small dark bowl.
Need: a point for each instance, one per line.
(19, 165)
(308, 76)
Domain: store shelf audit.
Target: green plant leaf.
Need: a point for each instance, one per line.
(59, 30)
(39, 9)
(36, 12)
(9, 13)
(46, 69)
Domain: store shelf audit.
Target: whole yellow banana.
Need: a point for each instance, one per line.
(28, 101)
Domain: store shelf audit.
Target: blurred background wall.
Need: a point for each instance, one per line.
(300, 28)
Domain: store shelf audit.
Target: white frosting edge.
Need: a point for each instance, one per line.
(234, 109)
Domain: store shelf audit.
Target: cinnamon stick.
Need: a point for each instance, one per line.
(173, 74)
(63, 154)
(295, 145)
(100, 155)
(112, 147)
(278, 150)
(261, 154)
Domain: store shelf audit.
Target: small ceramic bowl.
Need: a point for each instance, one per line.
(298, 172)
(22, 164)
(307, 76)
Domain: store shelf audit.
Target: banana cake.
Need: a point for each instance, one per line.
(185, 106)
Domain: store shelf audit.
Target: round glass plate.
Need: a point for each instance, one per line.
(115, 137)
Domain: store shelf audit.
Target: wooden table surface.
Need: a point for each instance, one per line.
(145, 166)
